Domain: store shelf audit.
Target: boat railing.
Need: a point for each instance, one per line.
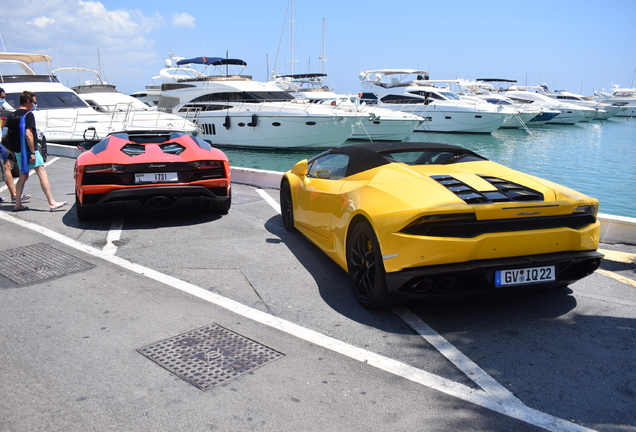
(71, 126)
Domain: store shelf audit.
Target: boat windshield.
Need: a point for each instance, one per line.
(51, 100)
(451, 95)
(498, 101)
(245, 97)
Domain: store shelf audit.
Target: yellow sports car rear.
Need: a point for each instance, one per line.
(426, 220)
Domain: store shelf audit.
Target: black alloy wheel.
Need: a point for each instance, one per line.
(366, 268)
(286, 206)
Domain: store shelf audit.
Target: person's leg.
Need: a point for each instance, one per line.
(9, 178)
(19, 188)
(46, 187)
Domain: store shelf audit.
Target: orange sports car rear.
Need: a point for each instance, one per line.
(131, 171)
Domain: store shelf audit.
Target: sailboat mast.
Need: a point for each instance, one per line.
(322, 52)
(292, 36)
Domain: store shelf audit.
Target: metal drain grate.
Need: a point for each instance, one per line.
(39, 261)
(209, 356)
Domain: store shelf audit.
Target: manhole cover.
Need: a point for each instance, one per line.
(39, 261)
(209, 356)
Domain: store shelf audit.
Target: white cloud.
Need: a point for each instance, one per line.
(72, 32)
(183, 20)
(42, 21)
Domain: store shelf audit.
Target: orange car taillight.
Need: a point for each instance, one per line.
(105, 168)
(206, 164)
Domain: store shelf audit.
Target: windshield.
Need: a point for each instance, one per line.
(50, 100)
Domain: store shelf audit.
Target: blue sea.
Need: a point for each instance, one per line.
(597, 158)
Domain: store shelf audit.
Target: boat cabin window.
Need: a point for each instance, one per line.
(245, 97)
(203, 107)
(50, 100)
(427, 94)
(450, 95)
(368, 98)
(498, 101)
(401, 99)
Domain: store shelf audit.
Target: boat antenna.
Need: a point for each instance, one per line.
(322, 54)
(2, 40)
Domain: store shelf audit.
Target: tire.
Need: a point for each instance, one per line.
(222, 208)
(366, 268)
(286, 206)
(42, 147)
(82, 212)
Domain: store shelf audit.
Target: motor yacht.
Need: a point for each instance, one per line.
(62, 116)
(412, 91)
(527, 114)
(104, 97)
(234, 110)
(602, 110)
(624, 98)
(569, 113)
(380, 124)
(149, 95)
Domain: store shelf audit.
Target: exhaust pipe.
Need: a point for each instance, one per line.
(594, 266)
(422, 285)
(445, 284)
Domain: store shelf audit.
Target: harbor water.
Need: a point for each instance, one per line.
(597, 158)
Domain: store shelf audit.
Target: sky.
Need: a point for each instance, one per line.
(582, 46)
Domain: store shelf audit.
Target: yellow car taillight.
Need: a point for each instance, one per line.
(587, 209)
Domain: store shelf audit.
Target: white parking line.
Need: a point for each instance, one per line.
(114, 234)
(271, 201)
(617, 277)
(386, 364)
(463, 363)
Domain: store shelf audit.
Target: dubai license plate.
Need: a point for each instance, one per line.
(524, 276)
(156, 177)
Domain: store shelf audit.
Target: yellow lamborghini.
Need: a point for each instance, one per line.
(426, 220)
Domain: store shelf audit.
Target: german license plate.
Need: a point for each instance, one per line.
(156, 177)
(524, 276)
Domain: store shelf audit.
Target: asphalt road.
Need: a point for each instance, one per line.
(123, 324)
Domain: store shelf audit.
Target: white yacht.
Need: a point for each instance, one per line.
(602, 110)
(62, 116)
(382, 125)
(149, 95)
(527, 113)
(410, 90)
(234, 110)
(105, 98)
(624, 98)
(569, 113)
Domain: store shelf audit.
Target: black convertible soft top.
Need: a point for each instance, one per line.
(366, 156)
